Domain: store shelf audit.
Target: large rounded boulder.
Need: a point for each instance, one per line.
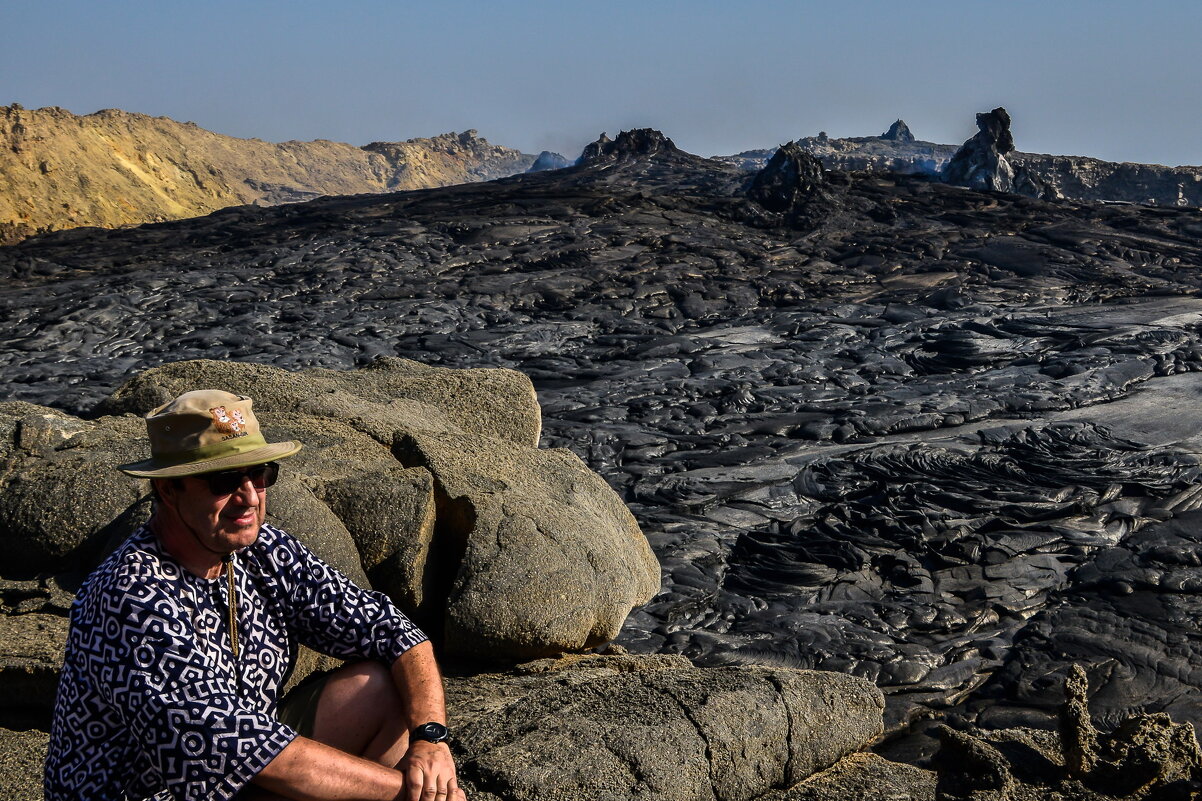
(552, 560)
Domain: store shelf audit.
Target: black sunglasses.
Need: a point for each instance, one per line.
(227, 482)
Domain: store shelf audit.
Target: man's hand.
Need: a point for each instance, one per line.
(429, 773)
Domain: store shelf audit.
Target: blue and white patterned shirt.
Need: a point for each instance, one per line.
(149, 703)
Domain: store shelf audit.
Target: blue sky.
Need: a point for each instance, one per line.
(1116, 80)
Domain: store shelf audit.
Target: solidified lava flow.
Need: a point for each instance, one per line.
(941, 438)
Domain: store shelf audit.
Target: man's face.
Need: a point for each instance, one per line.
(222, 523)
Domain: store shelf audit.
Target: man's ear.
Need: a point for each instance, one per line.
(166, 490)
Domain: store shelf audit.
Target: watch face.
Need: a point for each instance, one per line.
(430, 732)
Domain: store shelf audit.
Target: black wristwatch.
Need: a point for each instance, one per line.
(430, 733)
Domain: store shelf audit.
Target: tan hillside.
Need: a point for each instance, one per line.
(114, 168)
(447, 159)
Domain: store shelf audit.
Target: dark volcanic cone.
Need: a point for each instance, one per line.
(549, 161)
(790, 183)
(629, 144)
(898, 132)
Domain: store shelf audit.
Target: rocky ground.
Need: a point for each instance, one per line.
(940, 438)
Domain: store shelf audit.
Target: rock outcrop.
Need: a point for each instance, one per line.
(1145, 757)
(379, 399)
(629, 144)
(790, 186)
(1076, 178)
(1081, 178)
(635, 727)
(552, 560)
(982, 163)
(427, 483)
(547, 160)
(114, 168)
(626, 727)
(60, 498)
(898, 132)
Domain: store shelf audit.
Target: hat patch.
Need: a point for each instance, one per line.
(231, 423)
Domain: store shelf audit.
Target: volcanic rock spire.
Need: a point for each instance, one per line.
(981, 162)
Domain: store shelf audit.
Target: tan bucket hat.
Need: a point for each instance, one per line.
(203, 431)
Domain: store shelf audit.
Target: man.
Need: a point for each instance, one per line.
(181, 641)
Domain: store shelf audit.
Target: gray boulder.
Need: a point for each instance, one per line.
(390, 512)
(64, 505)
(294, 508)
(504, 551)
(624, 727)
(378, 399)
(60, 497)
(633, 727)
(551, 559)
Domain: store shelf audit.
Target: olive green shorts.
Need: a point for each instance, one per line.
(298, 709)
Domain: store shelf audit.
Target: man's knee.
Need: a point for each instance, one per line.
(368, 673)
(364, 683)
(361, 712)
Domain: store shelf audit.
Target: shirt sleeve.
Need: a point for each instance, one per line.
(204, 742)
(331, 614)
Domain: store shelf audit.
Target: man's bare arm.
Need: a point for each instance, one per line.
(420, 684)
(307, 770)
(425, 765)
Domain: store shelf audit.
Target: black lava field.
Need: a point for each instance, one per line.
(943, 439)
